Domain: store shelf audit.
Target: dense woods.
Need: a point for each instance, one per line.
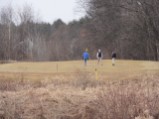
(128, 27)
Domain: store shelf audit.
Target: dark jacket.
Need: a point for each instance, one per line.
(113, 55)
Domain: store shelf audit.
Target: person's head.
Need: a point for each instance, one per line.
(99, 50)
(86, 49)
(113, 51)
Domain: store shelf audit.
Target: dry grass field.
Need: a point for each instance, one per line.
(70, 90)
(67, 69)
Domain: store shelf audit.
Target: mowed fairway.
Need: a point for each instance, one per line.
(123, 69)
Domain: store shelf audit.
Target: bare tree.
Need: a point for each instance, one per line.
(148, 16)
(6, 16)
(25, 28)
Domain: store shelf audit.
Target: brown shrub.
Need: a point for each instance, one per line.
(127, 99)
(82, 98)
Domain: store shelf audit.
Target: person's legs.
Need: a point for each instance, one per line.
(99, 60)
(113, 61)
(85, 62)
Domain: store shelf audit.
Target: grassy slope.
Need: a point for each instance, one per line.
(123, 69)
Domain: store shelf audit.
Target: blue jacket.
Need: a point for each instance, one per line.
(85, 56)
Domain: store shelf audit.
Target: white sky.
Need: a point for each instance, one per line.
(50, 10)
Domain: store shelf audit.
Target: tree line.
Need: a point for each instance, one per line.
(24, 36)
(128, 27)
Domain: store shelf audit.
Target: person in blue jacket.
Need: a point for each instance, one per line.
(85, 57)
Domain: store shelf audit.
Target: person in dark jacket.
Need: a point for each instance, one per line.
(113, 58)
(85, 57)
(99, 55)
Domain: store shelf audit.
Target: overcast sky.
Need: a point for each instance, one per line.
(50, 10)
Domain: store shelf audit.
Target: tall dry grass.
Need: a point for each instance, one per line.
(82, 97)
(128, 99)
